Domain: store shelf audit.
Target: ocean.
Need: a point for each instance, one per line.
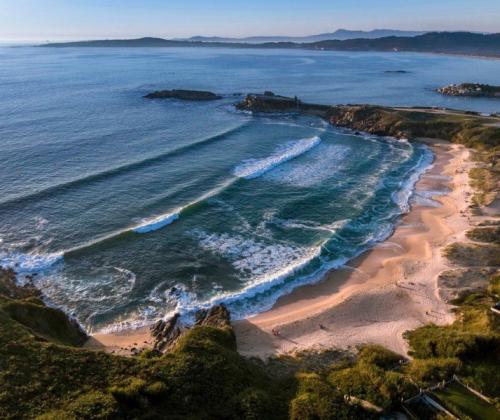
(125, 210)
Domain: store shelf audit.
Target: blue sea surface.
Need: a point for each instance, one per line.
(128, 209)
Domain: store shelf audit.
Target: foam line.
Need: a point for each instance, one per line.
(254, 168)
(156, 223)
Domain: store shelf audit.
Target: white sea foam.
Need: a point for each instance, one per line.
(149, 225)
(321, 164)
(403, 195)
(24, 263)
(252, 258)
(156, 223)
(299, 224)
(254, 168)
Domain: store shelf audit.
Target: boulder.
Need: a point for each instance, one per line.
(166, 333)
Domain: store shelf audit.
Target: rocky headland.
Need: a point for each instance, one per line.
(166, 333)
(476, 90)
(182, 94)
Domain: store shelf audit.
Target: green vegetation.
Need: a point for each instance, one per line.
(470, 346)
(485, 178)
(317, 399)
(43, 374)
(464, 403)
(473, 255)
(473, 131)
(489, 234)
(376, 376)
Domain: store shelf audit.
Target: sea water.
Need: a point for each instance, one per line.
(126, 209)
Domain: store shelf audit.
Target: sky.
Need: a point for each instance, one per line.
(94, 19)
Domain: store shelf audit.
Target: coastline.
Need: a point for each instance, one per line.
(384, 292)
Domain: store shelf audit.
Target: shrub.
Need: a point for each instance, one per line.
(316, 399)
(379, 356)
(427, 372)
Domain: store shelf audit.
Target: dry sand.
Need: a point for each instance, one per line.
(388, 290)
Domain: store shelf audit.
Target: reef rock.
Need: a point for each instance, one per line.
(185, 95)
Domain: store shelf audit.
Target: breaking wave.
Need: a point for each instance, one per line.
(253, 168)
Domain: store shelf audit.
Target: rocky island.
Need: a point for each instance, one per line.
(269, 102)
(477, 90)
(182, 94)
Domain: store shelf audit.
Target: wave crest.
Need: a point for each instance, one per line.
(253, 168)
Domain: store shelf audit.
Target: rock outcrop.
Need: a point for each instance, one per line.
(10, 288)
(167, 333)
(185, 95)
(23, 305)
(268, 102)
(471, 89)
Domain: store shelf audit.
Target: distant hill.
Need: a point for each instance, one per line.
(340, 34)
(439, 42)
(467, 43)
(139, 42)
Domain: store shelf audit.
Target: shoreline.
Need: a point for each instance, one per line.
(384, 292)
(327, 314)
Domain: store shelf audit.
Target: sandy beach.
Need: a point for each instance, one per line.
(378, 296)
(386, 291)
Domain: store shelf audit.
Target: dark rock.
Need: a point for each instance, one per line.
(167, 333)
(270, 102)
(217, 316)
(10, 288)
(186, 95)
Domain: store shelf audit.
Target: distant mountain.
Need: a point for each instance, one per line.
(435, 42)
(340, 34)
(439, 42)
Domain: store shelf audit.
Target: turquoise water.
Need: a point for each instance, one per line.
(128, 209)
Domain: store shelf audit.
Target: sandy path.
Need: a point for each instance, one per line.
(390, 289)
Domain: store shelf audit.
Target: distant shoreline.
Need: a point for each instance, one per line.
(450, 43)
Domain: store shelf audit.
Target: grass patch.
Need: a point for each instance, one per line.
(472, 255)
(460, 401)
(490, 234)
